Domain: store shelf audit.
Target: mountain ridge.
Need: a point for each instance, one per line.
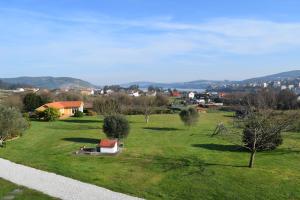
(49, 82)
(203, 84)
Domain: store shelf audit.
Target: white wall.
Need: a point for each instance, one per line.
(110, 150)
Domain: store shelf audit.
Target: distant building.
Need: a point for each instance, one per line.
(175, 94)
(291, 87)
(87, 92)
(265, 85)
(151, 93)
(283, 87)
(191, 95)
(109, 91)
(134, 94)
(20, 90)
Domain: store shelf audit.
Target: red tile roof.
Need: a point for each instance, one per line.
(107, 143)
(64, 104)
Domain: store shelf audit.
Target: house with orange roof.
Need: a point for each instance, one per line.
(65, 108)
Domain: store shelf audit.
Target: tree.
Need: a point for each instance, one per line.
(106, 106)
(133, 87)
(32, 101)
(189, 116)
(262, 130)
(146, 105)
(161, 100)
(50, 114)
(286, 100)
(12, 123)
(68, 96)
(116, 126)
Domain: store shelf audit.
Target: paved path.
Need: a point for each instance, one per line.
(55, 185)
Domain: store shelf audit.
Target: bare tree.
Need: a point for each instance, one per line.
(146, 105)
(106, 106)
(14, 101)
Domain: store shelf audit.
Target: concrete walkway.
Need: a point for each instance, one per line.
(55, 185)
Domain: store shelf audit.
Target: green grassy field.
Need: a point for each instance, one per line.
(6, 189)
(162, 160)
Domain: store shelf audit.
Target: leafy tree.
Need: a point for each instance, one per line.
(116, 126)
(11, 123)
(78, 114)
(189, 116)
(32, 101)
(262, 130)
(50, 114)
(133, 87)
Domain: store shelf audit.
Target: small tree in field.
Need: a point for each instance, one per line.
(147, 105)
(189, 116)
(11, 123)
(116, 126)
(263, 131)
(50, 114)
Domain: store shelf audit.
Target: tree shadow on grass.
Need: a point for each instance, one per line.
(161, 129)
(75, 128)
(82, 140)
(79, 121)
(221, 147)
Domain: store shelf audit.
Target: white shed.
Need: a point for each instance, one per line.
(109, 146)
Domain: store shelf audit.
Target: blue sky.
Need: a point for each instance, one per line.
(119, 41)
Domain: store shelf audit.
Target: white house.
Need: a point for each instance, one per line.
(283, 87)
(291, 87)
(191, 95)
(201, 101)
(265, 85)
(153, 94)
(134, 94)
(109, 146)
(20, 90)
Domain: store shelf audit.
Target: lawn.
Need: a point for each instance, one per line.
(8, 189)
(162, 160)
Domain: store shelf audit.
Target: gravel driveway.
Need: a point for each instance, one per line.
(55, 185)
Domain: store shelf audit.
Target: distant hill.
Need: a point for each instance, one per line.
(276, 77)
(49, 82)
(199, 84)
(203, 84)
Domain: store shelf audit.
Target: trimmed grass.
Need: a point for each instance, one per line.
(7, 187)
(162, 160)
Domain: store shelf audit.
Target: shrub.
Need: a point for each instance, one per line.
(26, 116)
(189, 116)
(116, 126)
(91, 113)
(78, 114)
(50, 114)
